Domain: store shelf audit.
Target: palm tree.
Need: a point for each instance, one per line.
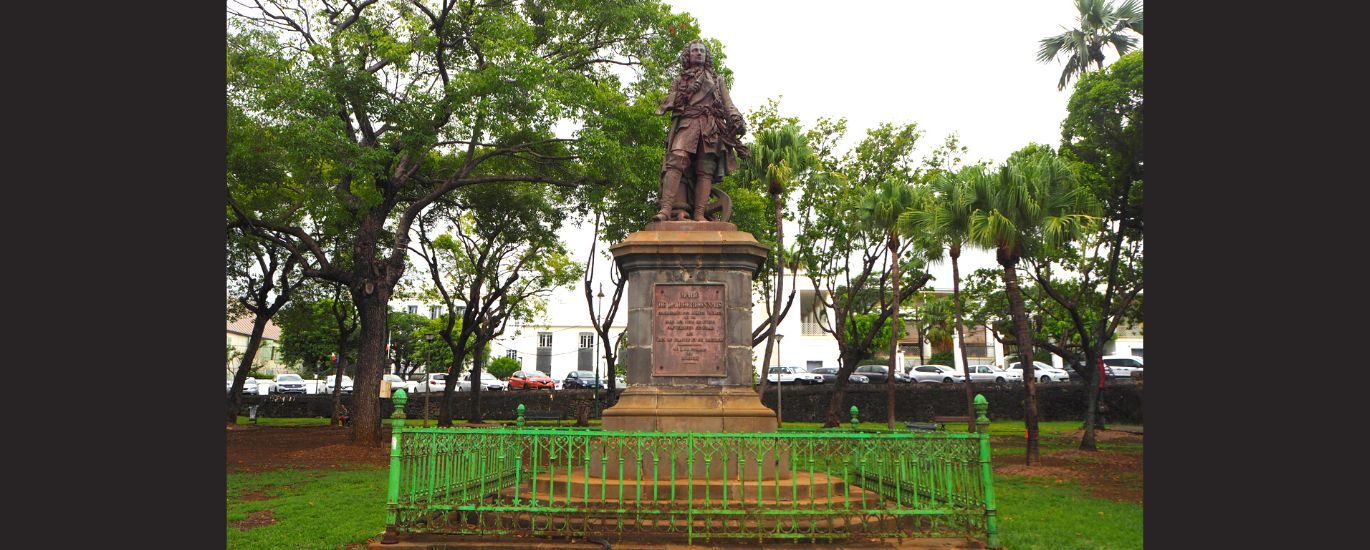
(880, 210)
(1099, 24)
(1027, 207)
(776, 156)
(945, 215)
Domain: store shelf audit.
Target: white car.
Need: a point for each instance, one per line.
(1123, 366)
(332, 381)
(488, 382)
(1043, 372)
(249, 386)
(935, 373)
(398, 383)
(288, 383)
(435, 381)
(790, 375)
(991, 373)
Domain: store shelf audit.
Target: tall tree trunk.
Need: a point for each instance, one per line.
(955, 252)
(893, 244)
(1020, 323)
(254, 341)
(371, 309)
(477, 361)
(839, 394)
(1088, 442)
(779, 292)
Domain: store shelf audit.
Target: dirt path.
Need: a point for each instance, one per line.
(1109, 474)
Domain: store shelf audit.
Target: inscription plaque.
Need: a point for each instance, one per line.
(687, 330)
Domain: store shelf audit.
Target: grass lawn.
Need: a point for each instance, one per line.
(307, 508)
(342, 508)
(1039, 513)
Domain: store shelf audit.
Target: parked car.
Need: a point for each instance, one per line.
(332, 381)
(791, 375)
(1043, 372)
(879, 373)
(529, 379)
(433, 382)
(581, 379)
(990, 373)
(399, 383)
(830, 376)
(249, 386)
(488, 382)
(288, 383)
(936, 373)
(1123, 366)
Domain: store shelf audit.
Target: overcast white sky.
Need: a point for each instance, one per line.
(968, 67)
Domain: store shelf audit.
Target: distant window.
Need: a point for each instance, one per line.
(1137, 352)
(512, 354)
(544, 339)
(460, 311)
(814, 365)
(434, 312)
(587, 340)
(413, 310)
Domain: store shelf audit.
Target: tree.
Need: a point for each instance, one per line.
(502, 367)
(779, 154)
(880, 211)
(382, 108)
(406, 332)
(944, 216)
(1098, 24)
(1027, 208)
(844, 260)
(1103, 132)
(261, 276)
(504, 256)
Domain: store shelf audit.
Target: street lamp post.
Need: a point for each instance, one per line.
(427, 367)
(599, 312)
(779, 383)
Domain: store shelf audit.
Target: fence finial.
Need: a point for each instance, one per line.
(855, 417)
(981, 413)
(520, 414)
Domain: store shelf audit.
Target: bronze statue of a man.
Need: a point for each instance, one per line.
(703, 140)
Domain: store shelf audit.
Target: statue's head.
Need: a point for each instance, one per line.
(696, 53)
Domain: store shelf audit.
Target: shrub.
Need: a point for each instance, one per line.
(502, 367)
(942, 358)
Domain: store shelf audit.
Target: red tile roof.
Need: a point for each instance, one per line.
(243, 325)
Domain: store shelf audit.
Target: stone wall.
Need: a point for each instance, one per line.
(916, 402)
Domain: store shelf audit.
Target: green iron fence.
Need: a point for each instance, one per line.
(566, 483)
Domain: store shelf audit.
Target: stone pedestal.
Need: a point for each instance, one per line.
(689, 335)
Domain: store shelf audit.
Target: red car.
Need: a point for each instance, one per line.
(523, 380)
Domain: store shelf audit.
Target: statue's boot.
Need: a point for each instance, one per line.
(703, 185)
(670, 184)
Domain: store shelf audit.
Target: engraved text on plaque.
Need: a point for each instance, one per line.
(687, 331)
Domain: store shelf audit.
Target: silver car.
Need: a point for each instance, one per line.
(992, 374)
(935, 373)
(1043, 372)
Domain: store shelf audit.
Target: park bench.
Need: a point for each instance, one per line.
(938, 423)
(945, 419)
(557, 415)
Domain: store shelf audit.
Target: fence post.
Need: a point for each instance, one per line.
(855, 418)
(986, 473)
(392, 496)
(519, 420)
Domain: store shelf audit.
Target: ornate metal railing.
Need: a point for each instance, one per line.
(825, 485)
